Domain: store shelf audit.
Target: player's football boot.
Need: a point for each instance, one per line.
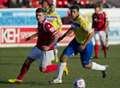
(66, 72)
(104, 73)
(14, 81)
(56, 81)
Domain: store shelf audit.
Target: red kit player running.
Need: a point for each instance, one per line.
(43, 49)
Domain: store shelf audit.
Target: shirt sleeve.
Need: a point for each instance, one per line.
(105, 16)
(49, 27)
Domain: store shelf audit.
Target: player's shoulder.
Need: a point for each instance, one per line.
(49, 26)
(104, 13)
(47, 23)
(82, 18)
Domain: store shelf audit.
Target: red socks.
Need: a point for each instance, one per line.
(96, 49)
(51, 68)
(23, 71)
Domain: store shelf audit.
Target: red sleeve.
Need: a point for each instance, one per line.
(49, 27)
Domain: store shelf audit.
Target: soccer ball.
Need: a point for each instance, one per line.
(79, 83)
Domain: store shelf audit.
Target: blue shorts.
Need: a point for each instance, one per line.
(85, 54)
(35, 53)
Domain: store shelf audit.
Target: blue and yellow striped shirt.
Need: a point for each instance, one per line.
(81, 29)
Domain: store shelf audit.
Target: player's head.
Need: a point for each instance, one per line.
(98, 7)
(40, 15)
(47, 4)
(74, 11)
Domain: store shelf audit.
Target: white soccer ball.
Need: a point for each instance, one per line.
(79, 83)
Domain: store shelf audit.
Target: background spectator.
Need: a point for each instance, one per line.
(59, 3)
(13, 4)
(35, 3)
(24, 3)
(3, 3)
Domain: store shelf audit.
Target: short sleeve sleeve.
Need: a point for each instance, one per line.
(49, 27)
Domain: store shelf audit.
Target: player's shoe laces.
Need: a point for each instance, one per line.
(56, 81)
(14, 81)
(104, 73)
(66, 72)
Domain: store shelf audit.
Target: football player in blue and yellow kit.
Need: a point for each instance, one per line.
(81, 44)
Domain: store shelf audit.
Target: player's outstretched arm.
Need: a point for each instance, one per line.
(32, 36)
(68, 32)
(54, 42)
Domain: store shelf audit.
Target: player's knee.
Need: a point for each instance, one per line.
(63, 58)
(28, 60)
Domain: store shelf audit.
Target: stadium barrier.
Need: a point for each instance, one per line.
(17, 24)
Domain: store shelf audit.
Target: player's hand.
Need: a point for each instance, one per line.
(45, 48)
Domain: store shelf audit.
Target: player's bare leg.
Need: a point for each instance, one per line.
(104, 48)
(96, 49)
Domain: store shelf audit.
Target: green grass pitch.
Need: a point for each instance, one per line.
(11, 60)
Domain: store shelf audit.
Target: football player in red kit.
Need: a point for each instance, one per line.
(43, 49)
(100, 26)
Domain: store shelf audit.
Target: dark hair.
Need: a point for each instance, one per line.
(98, 5)
(40, 10)
(50, 2)
(74, 7)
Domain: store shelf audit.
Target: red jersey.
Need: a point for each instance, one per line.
(99, 21)
(45, 34)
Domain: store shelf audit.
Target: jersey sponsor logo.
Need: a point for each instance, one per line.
(50, 18)
(52, 29)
